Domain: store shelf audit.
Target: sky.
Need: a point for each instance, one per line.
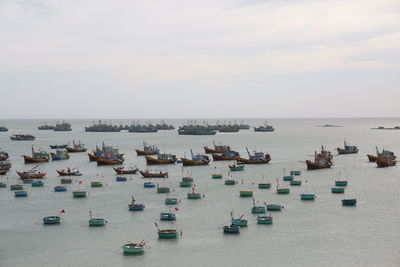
(199, 59)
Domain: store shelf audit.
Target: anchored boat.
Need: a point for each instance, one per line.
(148, 174)
(134, 248)
(197, 160)
(256, 158)
(347, 149)
(37, 157)
(161, 159)
(147, 150)
(123, 170)
(221, 149)
(321, 160)
(59, 155)
(76, 147)
(135, 207)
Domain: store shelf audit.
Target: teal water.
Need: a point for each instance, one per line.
(305, 233)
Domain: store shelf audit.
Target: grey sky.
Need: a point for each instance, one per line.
(150, 59)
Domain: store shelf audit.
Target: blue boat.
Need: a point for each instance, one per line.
(349, 202)
(167, 216)
(51, 220)
(121, 179)
(60, 188)
(59, 155)
(231, 229)
(135, 207)
(21, 193)
(149, 185)
(347, 149)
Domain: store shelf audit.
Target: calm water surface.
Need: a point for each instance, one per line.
(317, 233)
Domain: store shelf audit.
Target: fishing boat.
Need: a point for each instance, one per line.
(149, 185)
(167, 216)
(62, 127)
(264, 219)
(216, 176)
(37, 184)
(264, 128)
(58, 146)
(321, 160)
(96, 221)
(349, 202)
(197, 160)
(257, 209)
(256, 158)
(148, 174)
(96, 184)
(383, 162)
(66, 181)
(5, 166)
(347, 149)
(195, 130)
(341, 183)
(384, 153)
(147, 150)
(230, 155)
(337, 190)
(21, 193)
(171, 201)
(103, 127)
(230, 182)
(231, 229)
(123, 170)
(310, 196)
(161, 159)
(134, 248)
(239, 221)
(288, 178)
(235, 167)
(59, 155)
(16, 187)
(76, 147)
(113, 160)
(221, 149)
(3, 155)
(187, 179)
(22, 137)
(295, 182)
(27, 181)
(79, 194)
(60, 188)
(193, 194)
(134, 206)
(33, 173)
(37, 157)
(121, 179)
(3, 129)
(167, 233)
(295, 173)
(246, 193)
(264, 185)
(69, 172)
(274, 207)
(142, 129)
(163, 189)
(52, 220)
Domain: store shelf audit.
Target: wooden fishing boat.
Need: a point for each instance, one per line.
(21, 193)
(134, 206)
(110, 161)
(282, 191)
(122, 170)
(167, 216)
(16, 187)
(264, 185)
(79, 194)
(59, 155)
(310, 196)
(161, 159)
(246, 193)
(52, 220)
(264, 128)
(274, 207)
(66, 180)
(197, 160)
(337, 190)
(349, 202)
(121, 179)
(239, 222)
(97, 222)
(341, 183)
(60, 188)
(167, 233)
(384, 153)
(147, 174)
(295, 182)
(256, 158)
(322, 160)
(69, 172)
(216, 176)
(235, 167)
(230, 182)
(92, 157)
(31, 174)
(217, 149)
(267, 219)
(76, 147)
(133, 248)
(163, 190)
(96, 184)
(22, 137)
(37, 157)
(149, 185)
(147, 150)
(230, 155)
(171, 201)
(231, 229)
(37, 184)
(347, 149)
(383, 162)
(58, 146)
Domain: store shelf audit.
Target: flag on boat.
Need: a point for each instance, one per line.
(62, 211)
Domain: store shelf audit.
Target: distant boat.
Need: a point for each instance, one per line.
(195, 130)
(256, 158)
(387, 161)
(349, 202)
(60, 188)
(282, 191)
(235, 167)
(103, 127)
(265, 219)
(33, 173)
(96, 221)
(134, 206)
(79, 194)
(384, 153)
(52, 220)
(69, 172)
(161, 159)
(264, 128)
(167, 233)
(197, 160)
(309, 196)
(148, 174)
(37, 157)
(230, 155)
(347, 149)
(134, 248)
(21, 193)
(231, 229)
(76, 147)
(59, 155)
(221, 149)
(337, 190)
(58, 146)
(185, 184)
(62, 127)
(22, 137)
(149, 185)
(3, 129)
(147, 150)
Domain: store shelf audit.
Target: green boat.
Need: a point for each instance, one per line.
(3, 185)
(171, 201)
(337, 190)
(230, 182)
(239, 222)
(257, 209)
(216, 176)
(274, 207)
(97, 222)
(16, 187)
(37, 184)
(267, 219)
(296, 173)
(288, 178)
(96, 184)
(235, 167)
(308, 196)
(185, 184)
(282, 191)
(295, 182)
(264, 185)
(167, 233)
(134, 248)
(246, 193)
(163, 189)
(193, 195)
(79, 194)
(341, 183)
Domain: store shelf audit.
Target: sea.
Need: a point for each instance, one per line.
(305, 233)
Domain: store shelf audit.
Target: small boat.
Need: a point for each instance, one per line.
(193, 195)
(282, 191)
(37, 183)
(58, 146)
(79, 194)
(45, 126)
(22, 137)
(216, 176)
(171, 201)
(3, 155)
(383, 162)
(246, 193)
(239, 221)
(52, 220)
(60, 188)
(322, 160)
(96, 184)
(16, 187)
(133, 248)
(274, 207)
(341, 183)
(135, 207)
(122, 170)
(103, 127)
(37, 157)
(147, 150)
(66, 180)
(167, 216)
(163, 190)
(295, 182)
(28, 181)
(235, 167)
(69, 172)
(149, 185)
(121, 179)
(161, 159)
(310, 196)
(337, 190)
(258, 209)
(197, 160)
(265, 219)
(31, 174)
(264, 185)
(3, 185)
(221, 149)
(62, 127)
(167, 233)
(288, 178)
(295, 173)
(256, 158)
(347, 149)
(230, 182)
(185, 184)
(21, 193)
(147, 174)
(76, 147)
(231, 229)
(264, 128)
(59, 155)
(230, 155)
(96, 221)
(349, 202)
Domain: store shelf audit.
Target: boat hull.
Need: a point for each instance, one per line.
(29, 159)
(247, 193)
(189, 162)
(52, 220)
(258, 209)
(153, 161)
(307, 196)
(349, 202)
(75, 150)
(97, 222)
(221, 157)
(385, 162)
(145, 153)
(79, 194)
(167, 234)
(193, 195)
(122, 171)
(264, 186)
(295, 183)
(255, 161)
(342, 151)
(337, 190)
(264, 220)
(104, 161)
(163, 190)
(133, 249)
(313, 166)
(283, 191)
(230, 182)
(272, 207)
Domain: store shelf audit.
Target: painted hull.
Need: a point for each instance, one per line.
(349, 202)
(307, 196)
(283, 191)
(16, 187)
(342, 151)
(211, 150)
(149, 185)
(257, 161)
(246, 193)
(154, 175)
(153, 161)
(295, 182)
(121, 179)
(239, 222)
(92, 157)
(75, 150)
(313, 166)
(60, 189)
(163, 190)
(385, 162)
(296, 173)
(171, 201)
(25, 175)
(189, 162)
(230, 182)
(288, 178)
(104, 161)
(264, 186)
(136, 207)
(231, 229)
(341, 183)
(167, 216)
(258, 209)
(66, 181)
(37, 184)
(273, 207)
(372, 158)
(97, 222)
(64, 173)
(264, 220)
(145, 153)
(337, 190)
(55, 156)
(185, 184)
(3, 185)
(79, 194)
(216, 176)
(29, 159)
(235, 168)
(21, 193)
(220, 157)
(167, 234)
(52, 220)
(132, 248)
(193, 195)
(123, 171)
(96, 184)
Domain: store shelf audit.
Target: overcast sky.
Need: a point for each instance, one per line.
(181, 59)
